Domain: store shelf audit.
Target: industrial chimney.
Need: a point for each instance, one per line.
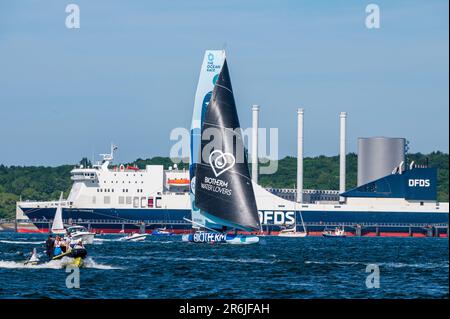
(255, 113)
(299, 155)
(342, 153)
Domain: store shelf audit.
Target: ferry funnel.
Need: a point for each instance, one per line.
(342, 153)
(255, 115)
(300, 155)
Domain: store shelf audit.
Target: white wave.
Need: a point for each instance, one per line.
(164, 241)
(101, 240)
(90, 263)
(22, 242)
(232, 260)
(333, 262)
(382, 264)
(416, 265)
(54, 264)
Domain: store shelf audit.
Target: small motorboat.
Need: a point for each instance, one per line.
(79, 232)
(134, 237)
(337, 232)
(161, 232)
(77, 254)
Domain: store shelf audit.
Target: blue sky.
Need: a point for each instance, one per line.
(130, 72)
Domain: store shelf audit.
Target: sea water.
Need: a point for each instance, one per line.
(166, 267)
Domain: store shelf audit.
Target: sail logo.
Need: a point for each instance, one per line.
(221, 162)
(210, 66)
(216, 185)
(419, 182)
(209, 237)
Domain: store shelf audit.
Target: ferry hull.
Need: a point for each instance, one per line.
(371, 224)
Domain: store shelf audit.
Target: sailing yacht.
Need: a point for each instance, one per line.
(292, 232)
(222, 197)
(75, 232)
(57, 225)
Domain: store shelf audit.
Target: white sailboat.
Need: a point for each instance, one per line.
(75, 232)
(222, 196)
(57, 225)
(292, 232)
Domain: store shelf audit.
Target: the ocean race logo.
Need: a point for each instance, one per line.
(419, 183)
(210, 66)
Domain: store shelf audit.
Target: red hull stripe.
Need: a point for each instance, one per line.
(181, 231)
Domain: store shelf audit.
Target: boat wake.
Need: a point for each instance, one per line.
(382, 264)
(90, 263)
(415, 265)
(22, 242)
(334, 262)
(231, 260)
(101, 240)
(55, 264)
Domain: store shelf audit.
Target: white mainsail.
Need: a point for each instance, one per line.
(58, 226)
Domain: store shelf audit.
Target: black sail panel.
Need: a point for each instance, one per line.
(223, 186)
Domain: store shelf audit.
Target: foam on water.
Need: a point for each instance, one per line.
(90, 263)
(54, 264)
(382, 264)
(101, 240)
(415, 265)
(22, 242)
(231, 260)
(332, 262)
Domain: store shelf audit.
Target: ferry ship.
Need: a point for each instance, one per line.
(124, 199)
(109, 198)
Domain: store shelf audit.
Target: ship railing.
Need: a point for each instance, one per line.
(182, 222)
(120, 221)
(375, 224)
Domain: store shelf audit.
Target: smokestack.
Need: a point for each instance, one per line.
(299, 155)
(255, 114)
(342, 153)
